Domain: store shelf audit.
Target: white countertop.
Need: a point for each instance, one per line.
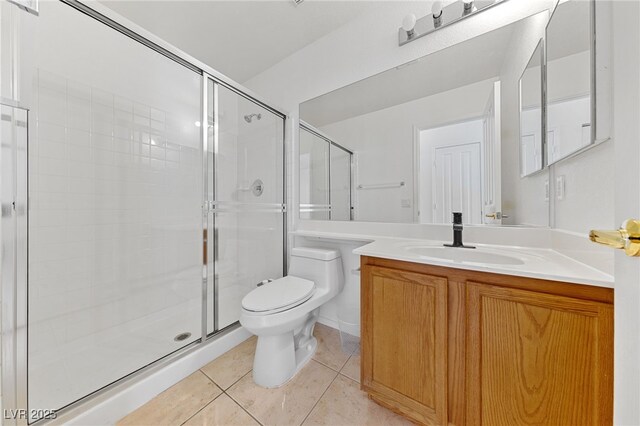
(528, 262)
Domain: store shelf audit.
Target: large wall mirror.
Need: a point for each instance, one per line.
(577, 77)
(531, 127)
(433, 136)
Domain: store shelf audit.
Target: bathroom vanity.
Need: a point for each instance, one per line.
(519, 330)
(445, 345)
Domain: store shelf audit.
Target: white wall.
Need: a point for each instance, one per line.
(589, 190)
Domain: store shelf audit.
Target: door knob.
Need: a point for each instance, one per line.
(496, 215)
(626, 238)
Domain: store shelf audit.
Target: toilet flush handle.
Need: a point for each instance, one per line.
(263, 282)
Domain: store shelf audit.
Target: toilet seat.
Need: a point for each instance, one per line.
(279, 295)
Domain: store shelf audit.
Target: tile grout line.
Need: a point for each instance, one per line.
(328, 366)
(319, 399)
(244, 374)
(240, 405)
(234, 383)
(347, 377)
(345, 364)
(210, 378)
(203, 407)
(223, 391)
(244, 409)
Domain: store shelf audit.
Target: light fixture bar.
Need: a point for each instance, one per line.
(440, 18)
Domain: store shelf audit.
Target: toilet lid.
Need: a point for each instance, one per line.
(282, 293)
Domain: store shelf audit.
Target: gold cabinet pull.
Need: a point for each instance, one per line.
(626, 238)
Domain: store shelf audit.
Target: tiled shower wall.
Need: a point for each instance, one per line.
(115, 204)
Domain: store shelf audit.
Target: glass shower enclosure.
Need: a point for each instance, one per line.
(245, 151)
(325, 177)
(156, 202)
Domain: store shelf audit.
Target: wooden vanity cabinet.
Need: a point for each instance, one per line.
(443, 345)
(404, 342)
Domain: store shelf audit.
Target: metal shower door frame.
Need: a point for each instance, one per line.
(212, 206)
(303, 125)
(14, 259)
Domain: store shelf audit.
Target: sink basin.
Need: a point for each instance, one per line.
(478, 255)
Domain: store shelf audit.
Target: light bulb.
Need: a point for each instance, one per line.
(409, 22)
(468, 7)
(436, 9)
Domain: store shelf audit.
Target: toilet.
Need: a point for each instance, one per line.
(283, 313)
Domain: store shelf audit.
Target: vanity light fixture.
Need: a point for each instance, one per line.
(412, 28)
(436, 11)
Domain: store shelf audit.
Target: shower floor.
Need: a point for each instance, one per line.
(68, 373)
(65, 373)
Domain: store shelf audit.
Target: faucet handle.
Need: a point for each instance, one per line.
(457, 218)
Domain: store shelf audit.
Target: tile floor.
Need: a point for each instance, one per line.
(325, 392)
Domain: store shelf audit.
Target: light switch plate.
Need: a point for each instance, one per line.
(546, 190)
(560, 188)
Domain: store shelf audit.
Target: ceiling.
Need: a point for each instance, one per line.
(239, 38)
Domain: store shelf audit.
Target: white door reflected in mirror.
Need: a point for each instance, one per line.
(450, 178)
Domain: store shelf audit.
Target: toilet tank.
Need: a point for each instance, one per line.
(322, 266)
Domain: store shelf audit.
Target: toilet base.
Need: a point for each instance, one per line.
(276, 362)
(279, 357)
(305, 353)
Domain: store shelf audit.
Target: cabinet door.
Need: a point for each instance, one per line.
(535, 358)
(404, 342)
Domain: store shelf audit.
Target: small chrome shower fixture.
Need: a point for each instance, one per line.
(249, 118)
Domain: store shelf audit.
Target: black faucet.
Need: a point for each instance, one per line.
(457, 232)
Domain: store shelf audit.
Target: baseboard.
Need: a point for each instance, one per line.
(111, 405)
(329, 322)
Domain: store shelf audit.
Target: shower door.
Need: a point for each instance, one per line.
(246, 153)
(115, 206)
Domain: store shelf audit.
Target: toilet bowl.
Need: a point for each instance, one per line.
(284, 312)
